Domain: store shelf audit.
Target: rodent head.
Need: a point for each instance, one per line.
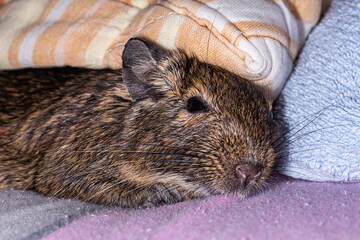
(203, 130)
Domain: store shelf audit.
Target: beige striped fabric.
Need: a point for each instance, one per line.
(257, 39)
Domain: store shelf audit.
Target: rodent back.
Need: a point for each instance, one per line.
(170, 128)
(43, 109)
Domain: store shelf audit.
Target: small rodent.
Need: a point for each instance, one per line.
(165, 128)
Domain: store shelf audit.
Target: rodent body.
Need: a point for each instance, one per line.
(165, 128)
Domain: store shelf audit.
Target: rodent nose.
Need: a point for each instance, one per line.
(248, 172)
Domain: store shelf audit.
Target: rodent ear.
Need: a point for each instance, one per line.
(140, 63)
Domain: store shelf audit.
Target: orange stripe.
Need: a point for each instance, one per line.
(79, 40)
(184, 5)
(139, 27)
(46, 41)
(45, 45)
(139, 22)
(304, 10)
(208, 48)
(15, 45)
(153, 23)
(77, 10)
(49, 38)
(128, 2)
(4, 9)
(112, 58)
(193, 5)
(206, 22)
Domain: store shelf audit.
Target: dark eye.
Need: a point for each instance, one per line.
(196, 105)
(271, 114)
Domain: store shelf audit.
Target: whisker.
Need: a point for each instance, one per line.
(177, 161)
(308, 120)
(130, 144)
(316, 114)
(282, 156)
(293, 170)
(142, 152)
(294, 138)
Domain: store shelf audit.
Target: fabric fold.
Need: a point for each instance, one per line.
(257, 39)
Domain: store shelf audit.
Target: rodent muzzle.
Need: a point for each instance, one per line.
(247, 173)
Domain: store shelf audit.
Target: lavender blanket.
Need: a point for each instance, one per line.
(288, 209)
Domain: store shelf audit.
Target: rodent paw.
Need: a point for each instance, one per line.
(161, 194)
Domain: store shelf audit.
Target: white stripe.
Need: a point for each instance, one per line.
(143, 20)
(140, 3)
(239, 11)
(292, 25)
(304, 30)
(169, 31)
(18, 16)
(280, 65)
(212, 13)
(99, 45)
(27, 46)
(60, 45)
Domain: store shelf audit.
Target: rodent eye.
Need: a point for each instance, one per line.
(196, 105)
(271, 114)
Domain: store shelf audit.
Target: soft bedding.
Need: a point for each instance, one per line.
(28, 215)
(288, 209)
(320, 103)
(237, 35)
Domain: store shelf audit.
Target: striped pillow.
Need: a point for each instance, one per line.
(257, 39)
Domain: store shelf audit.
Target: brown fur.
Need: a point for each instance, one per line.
(71, 132)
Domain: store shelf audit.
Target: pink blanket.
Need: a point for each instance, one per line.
(287, 210)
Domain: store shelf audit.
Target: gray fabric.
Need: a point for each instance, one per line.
(27, 215)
